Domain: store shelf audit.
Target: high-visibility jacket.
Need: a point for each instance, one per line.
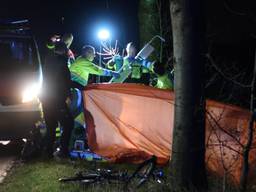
(164, 82)
(82, 67)
(137, 66)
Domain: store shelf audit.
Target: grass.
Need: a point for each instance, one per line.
(37, 176)
(42, 176)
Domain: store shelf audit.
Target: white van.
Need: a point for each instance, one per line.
(20, 80)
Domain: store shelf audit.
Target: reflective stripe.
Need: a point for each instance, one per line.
(58, 132)
(80, 119)
(79, 79)
(24, 107)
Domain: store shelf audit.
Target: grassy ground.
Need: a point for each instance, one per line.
(42, 176)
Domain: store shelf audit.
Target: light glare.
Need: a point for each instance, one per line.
(5, 142)
(103, 34)
(30, 93)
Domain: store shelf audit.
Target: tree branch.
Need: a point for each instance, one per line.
(209, 57)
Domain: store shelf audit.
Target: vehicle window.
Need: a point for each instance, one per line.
(17, 54)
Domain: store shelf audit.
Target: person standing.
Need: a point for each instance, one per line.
(56, 90)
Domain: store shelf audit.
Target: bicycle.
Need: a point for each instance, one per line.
(144, 172)
(99, 175)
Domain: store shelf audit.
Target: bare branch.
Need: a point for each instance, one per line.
(228, 8)
(224, 75)
(222, 129)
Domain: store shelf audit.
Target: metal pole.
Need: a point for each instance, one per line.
(100, 64)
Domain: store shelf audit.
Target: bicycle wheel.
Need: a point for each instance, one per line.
(117, 177)
(85, 179)
(142, 173)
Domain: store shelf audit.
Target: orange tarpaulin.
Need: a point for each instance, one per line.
(130, 122)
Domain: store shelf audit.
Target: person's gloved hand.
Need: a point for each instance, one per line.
(111, 73)
(115, 74)
(117, 58)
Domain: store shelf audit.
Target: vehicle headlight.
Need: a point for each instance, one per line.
(31, 92)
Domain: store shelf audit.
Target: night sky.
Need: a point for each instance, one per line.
(83, 18)
(230, 23)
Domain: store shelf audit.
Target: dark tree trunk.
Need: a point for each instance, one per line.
(188, 147)
(165, 30)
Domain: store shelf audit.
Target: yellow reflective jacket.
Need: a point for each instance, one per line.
(82, 67)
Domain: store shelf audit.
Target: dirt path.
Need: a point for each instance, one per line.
(8, 155)
(5, 165)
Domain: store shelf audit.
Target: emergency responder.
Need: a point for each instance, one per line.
(164, 78)
(67, 38)
(56, 90)
(138, 67)
(83, 66)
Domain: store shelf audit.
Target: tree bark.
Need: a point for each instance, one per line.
(188, 147)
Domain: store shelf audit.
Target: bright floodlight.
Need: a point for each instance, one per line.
(103, 34)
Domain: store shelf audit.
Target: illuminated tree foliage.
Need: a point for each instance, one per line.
(155, 19)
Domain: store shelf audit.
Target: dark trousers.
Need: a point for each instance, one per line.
(55, 112)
